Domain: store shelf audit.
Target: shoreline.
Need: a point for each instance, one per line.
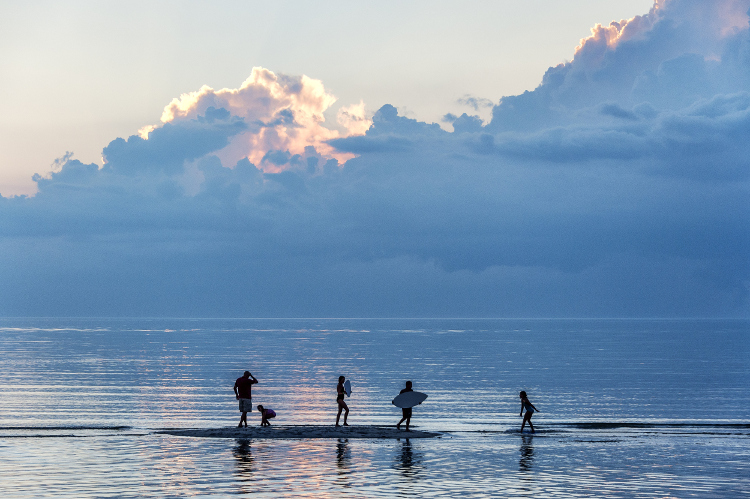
(300, 432)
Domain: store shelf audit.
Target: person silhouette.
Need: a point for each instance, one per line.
(406, 411)
(243, 393)
(340, 401)
(265, 415)
(530, 409)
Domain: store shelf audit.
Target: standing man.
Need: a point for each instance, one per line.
(242, 390)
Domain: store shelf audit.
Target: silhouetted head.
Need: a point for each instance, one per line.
(408, 384)
(523, 395)
(246, 374)
(260, 408)
(341, 379)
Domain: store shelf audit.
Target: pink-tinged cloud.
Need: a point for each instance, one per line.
(284, 114)
(605, 38)
(711, 21)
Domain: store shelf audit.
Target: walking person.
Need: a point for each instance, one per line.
(405, 411)
(340, 392)
(243, 393)
(530, 409)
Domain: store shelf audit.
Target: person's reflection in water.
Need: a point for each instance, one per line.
(244, 463)
(527, 453)
(343, 459)
(409, 461)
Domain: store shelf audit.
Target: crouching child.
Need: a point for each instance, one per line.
(266, 414)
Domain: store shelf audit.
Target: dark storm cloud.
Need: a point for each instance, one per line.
(614, 189)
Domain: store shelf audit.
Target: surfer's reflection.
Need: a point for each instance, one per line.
(408, 460)
(527, 453)
(343, 455)
(244, 460)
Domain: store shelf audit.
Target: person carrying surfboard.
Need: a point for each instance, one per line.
(340, 392)
(525, 404)
(405, 400)
(405, 411)
(265, 415)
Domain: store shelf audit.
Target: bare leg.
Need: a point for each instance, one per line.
(346, 413)
(399, 423)
(527, 418)
(342, 405)
(408, 419)
(243, 418)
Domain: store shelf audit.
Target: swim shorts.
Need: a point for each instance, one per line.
(246, 405)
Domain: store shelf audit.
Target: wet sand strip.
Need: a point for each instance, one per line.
(300, 432)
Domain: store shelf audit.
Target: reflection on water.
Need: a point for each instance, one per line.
(409, 460)
(343, 463)
(343, 455)
(243, 465)
(527, 453)
(244, 458)
(622, 462)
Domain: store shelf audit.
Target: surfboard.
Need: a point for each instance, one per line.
(409, 399)
(348, 388)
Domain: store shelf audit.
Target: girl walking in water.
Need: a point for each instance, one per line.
(340, 401)
(525, 404)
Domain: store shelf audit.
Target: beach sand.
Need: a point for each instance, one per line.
(300, 432)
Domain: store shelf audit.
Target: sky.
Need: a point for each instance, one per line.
(481, 159)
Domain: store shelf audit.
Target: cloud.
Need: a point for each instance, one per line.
(618, 187)
(475, 103)
(170, 146)
(282, 113)
(464, 123)
(682, 50)
(703, 141)
(388, 132)
(354, 119)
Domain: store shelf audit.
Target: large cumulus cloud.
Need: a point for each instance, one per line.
(618, 187)
(681, 51)
(283, 116)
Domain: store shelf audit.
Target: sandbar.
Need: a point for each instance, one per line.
(300, 432)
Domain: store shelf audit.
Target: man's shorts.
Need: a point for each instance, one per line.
(246, 405)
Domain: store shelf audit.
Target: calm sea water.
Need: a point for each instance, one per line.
(629, 408)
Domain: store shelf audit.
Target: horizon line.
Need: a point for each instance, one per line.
(364, 318)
